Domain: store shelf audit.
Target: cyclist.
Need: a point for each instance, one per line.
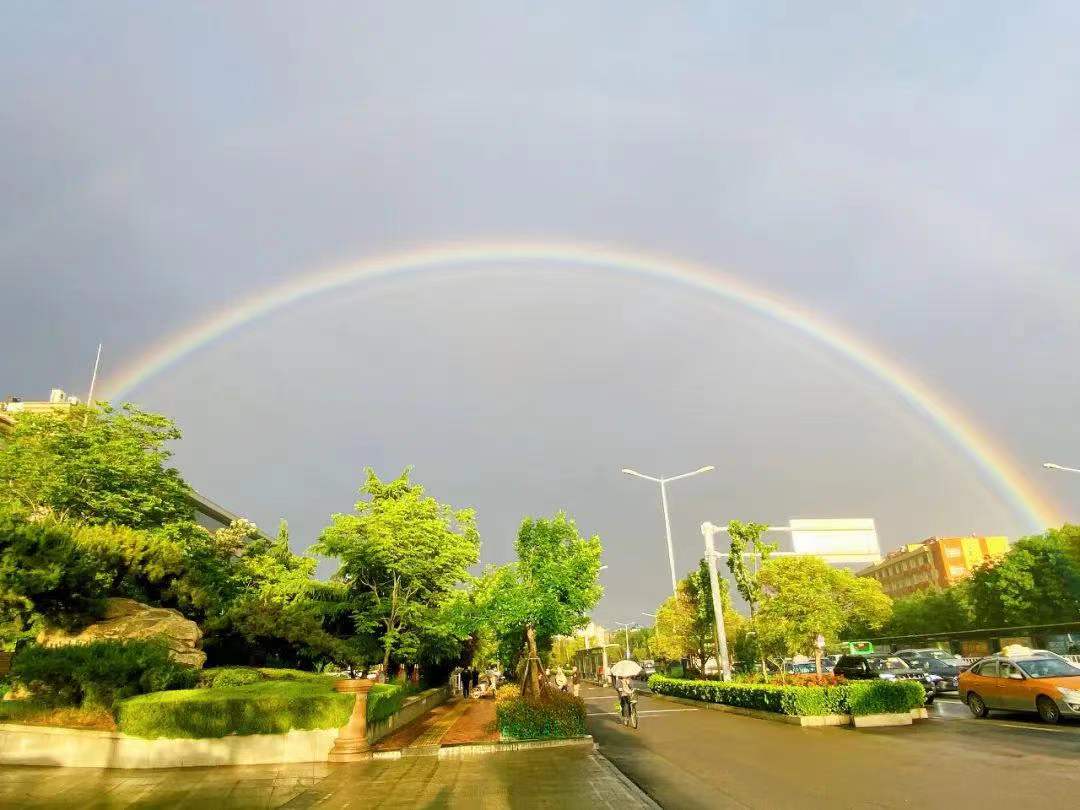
(626, 694)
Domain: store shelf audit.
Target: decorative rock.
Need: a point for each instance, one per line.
(127, 619)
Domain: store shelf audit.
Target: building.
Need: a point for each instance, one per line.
(207, 513)
(937, 562)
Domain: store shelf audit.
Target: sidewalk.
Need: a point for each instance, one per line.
(567, 778)
(457, 722)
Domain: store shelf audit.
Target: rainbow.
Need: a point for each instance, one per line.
(993, 462)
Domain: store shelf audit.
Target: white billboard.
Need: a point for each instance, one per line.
(836, 537)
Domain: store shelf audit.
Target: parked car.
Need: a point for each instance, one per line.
(885, 667)
(1025, 681)
(937, 662)
(828, 662)
(800, 667)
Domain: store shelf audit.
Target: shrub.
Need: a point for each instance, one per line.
(272, 706)
(508, 692)
(884, 697)
(100, 673)
(862, 697)
(554, 715)
(221, 677)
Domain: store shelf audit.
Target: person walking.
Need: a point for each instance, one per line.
(466, 682)
(575, 681)
(475, 679)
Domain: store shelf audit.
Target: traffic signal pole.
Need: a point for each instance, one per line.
(718, 608)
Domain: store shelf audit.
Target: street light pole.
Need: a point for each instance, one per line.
(1059, 468)
(663, 482)
(626, 630)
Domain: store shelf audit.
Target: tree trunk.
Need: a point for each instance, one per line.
(386, 664)
(531, 686)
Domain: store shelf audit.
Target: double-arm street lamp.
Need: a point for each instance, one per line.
(663, 482)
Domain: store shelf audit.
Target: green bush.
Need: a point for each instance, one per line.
(221, 677)
(884, 697)
(272, 706)
(100, 673)
(554, 715)
(862, 697)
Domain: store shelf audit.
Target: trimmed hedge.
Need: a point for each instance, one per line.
(884, 697)
(554, 715)
(268, 707)
(864, 697)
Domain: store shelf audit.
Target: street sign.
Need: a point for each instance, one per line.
(860, 647)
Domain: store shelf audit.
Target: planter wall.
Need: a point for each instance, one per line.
(75, 748)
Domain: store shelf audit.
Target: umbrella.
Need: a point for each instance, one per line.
(626, 669)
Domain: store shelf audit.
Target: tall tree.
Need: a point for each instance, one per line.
(932, 611)
(746, 539)
(1036, 582)
(548, 591)
(402, 555)
(96, 466)
(805, 596)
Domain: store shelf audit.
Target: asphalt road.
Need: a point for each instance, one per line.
(686, 757)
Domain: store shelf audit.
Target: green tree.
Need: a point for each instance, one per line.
(1036, 582)
(746, 539)
(679, 631)
(402, 554)
(804, 596)
(548, 591)
(45, 574)
(98, 466)
(931, 611)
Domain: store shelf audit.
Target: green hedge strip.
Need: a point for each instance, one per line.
(268, 707)
(860, 697)
(555, 715)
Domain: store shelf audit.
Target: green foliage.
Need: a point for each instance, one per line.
(99, 673)
(746, 539)
(1037, 582)
(553, 715)
(221, 677)
(98, 466)
(884, 697)
(934, 610)
(869, 697)
(44, 572)
(684, 623)
(274, 706)
(552, 586)
(804, 596)
(402, 554)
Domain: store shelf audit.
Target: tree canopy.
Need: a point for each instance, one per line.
(402, 554)
(804, 596)
(548, 591)
(1036, 582)
(97, 466)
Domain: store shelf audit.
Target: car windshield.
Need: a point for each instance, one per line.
(1048, 668)
(888, 664)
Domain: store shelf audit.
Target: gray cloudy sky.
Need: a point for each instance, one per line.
(909, 173)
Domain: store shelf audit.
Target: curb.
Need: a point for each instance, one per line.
(464, 750)
(626, 781)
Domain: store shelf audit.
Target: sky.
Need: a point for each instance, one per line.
(907, 173)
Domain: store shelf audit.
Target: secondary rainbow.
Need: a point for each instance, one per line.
(992, 461)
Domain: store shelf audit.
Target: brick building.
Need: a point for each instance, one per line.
(936, 562)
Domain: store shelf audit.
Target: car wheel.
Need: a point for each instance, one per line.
(1048, 710)
(977, 705)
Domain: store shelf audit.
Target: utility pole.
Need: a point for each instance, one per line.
(718, 608)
